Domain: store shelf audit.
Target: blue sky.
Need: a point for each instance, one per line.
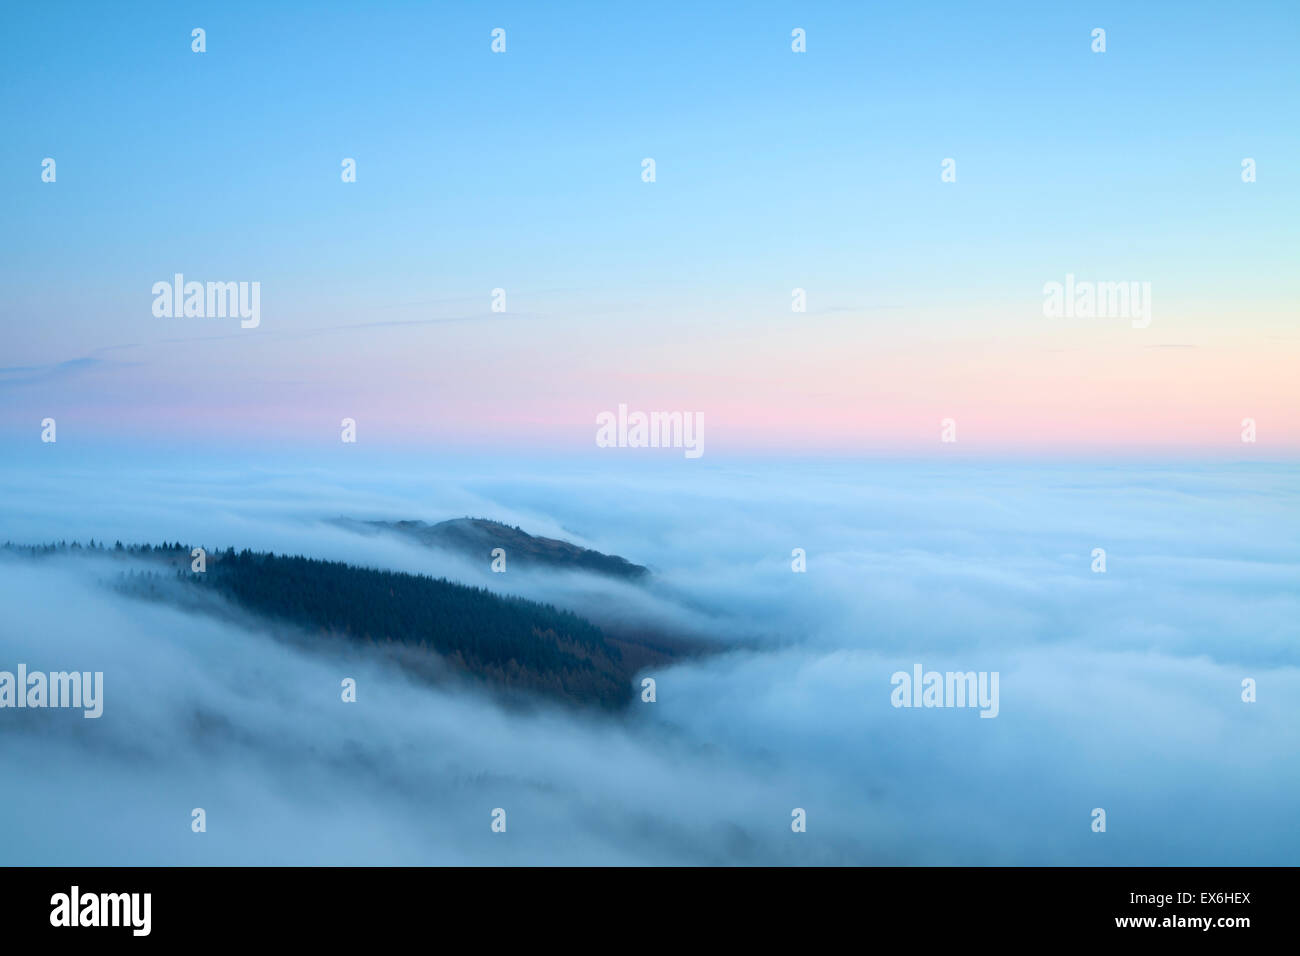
(232, 157)
(521, 170)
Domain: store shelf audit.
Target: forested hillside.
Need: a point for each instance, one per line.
(477, 537)
(505, 642)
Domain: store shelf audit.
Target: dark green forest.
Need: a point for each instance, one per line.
(505, 642)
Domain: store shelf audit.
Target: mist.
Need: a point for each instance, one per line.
(1119, 690)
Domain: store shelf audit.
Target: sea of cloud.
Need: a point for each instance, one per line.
(1120, 690)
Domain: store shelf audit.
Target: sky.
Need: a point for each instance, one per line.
(774, 171)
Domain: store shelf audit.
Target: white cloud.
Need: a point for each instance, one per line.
(1119, 690)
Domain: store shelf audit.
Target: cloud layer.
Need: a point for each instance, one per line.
(1119, 690)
